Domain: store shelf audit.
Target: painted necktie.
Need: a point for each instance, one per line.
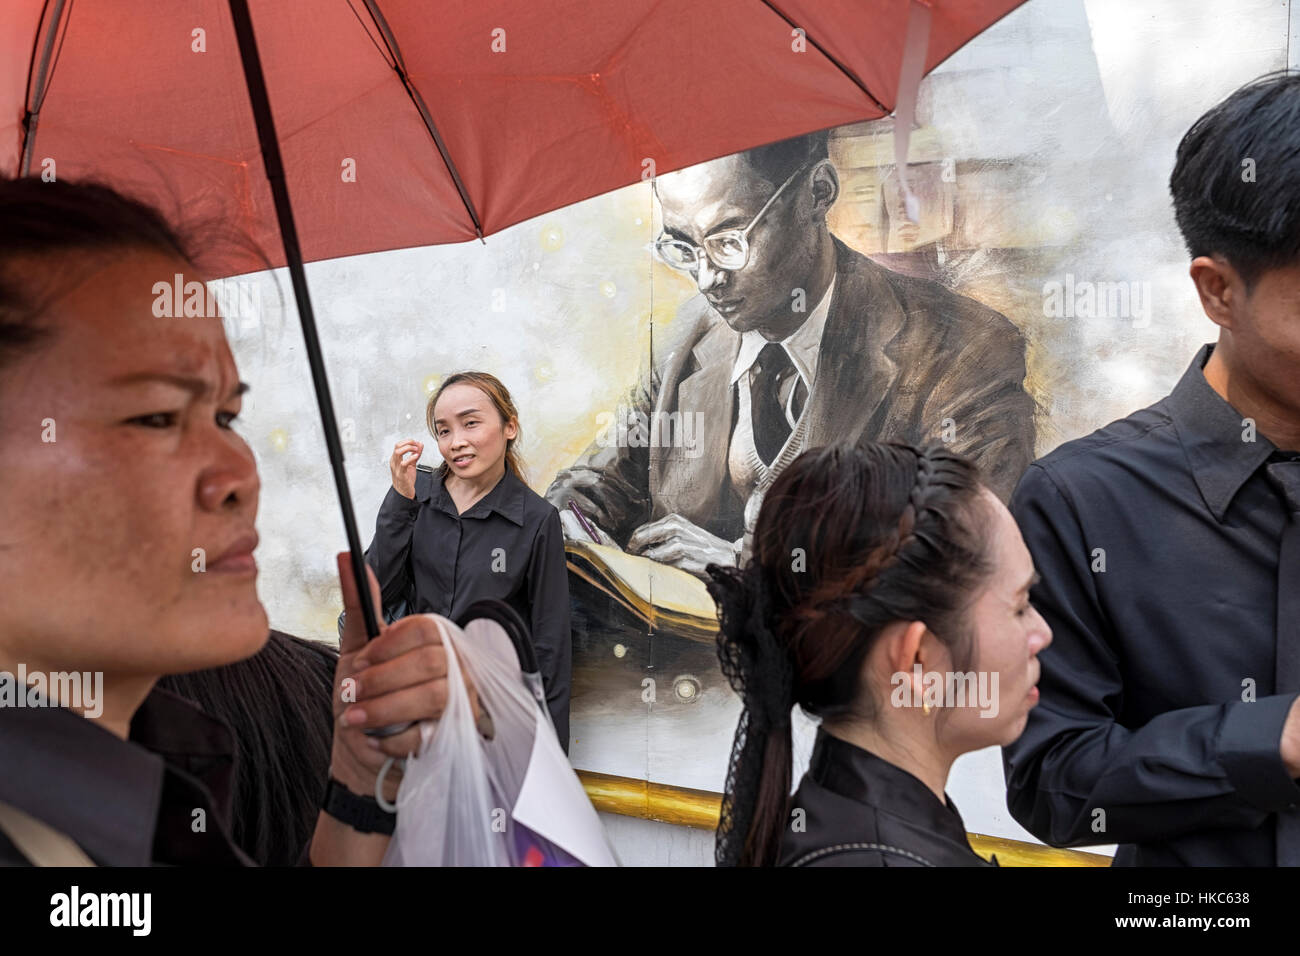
(771, 428)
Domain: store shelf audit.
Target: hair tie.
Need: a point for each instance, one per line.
(771, 694)
(760, 670)
(755, 662)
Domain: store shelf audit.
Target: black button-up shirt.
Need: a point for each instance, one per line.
(1157, 540)
(508, 545)
(124, 802)
(861, 810)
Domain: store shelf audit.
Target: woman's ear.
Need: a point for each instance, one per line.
(900, 649)
(511, 430)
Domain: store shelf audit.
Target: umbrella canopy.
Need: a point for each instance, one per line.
(404, 123)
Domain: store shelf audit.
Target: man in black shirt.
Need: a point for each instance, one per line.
(1169, 549)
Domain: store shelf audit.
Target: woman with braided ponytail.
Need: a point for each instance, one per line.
(887, 595)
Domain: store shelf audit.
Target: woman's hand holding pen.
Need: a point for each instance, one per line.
(403, 468)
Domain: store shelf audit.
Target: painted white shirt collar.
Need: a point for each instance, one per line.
(802, 345)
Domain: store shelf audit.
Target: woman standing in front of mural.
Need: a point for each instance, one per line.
(473, 529)
(888, 596)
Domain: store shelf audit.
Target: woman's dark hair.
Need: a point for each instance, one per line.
(849, 539)
(1236, 179)
(39, 218)
(278, 705)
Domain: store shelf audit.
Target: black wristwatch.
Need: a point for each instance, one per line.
(363, 814)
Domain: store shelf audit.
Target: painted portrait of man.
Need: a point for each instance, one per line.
(794, 340)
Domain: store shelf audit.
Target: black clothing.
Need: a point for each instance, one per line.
(509, 545)
(860, 810)
(278, 707)
(1157, 540)
(124, 802)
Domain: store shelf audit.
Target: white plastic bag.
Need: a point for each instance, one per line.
(513, 800)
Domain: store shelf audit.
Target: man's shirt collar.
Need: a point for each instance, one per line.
(1222, 448)
(802, 345)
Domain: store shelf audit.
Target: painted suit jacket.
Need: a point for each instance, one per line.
(900, 359)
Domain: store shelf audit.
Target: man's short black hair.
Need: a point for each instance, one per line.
(776, 162)
(1236, 181)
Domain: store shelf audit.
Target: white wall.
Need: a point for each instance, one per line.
(647, 843)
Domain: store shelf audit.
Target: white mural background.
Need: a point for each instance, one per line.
(1061, 122)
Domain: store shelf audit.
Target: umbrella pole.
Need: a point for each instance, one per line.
(270, 143)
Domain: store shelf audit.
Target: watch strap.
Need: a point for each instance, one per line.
(363, 814)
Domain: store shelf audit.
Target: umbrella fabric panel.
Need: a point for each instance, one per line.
(873, 49)
(579, 95)
(538, 105)
(584, 94)
(18, 24)
(173, 125)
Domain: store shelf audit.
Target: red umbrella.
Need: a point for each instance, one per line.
(397, 123)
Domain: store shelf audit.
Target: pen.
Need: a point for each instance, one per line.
(582, 520)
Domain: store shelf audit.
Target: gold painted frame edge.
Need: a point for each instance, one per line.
(681, 806)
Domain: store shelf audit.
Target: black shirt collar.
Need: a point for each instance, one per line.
(858, 774)
(1211, 433)
(105, 792)
(506, 498)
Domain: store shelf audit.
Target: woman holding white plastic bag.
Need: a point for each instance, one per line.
(504, 798)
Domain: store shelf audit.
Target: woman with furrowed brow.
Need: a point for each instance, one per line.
(473, 529)
(874, 568)
(142, 470)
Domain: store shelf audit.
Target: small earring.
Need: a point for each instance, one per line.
(925, 707)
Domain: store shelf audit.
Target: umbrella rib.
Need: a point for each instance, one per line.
(399, 66)
(41, 76)
(382, 51)
(273, 165)
(852, 77)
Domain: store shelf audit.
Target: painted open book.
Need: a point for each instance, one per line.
(664, 597)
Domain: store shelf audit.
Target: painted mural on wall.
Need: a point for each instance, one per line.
(794, 340)
(1041, 294)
